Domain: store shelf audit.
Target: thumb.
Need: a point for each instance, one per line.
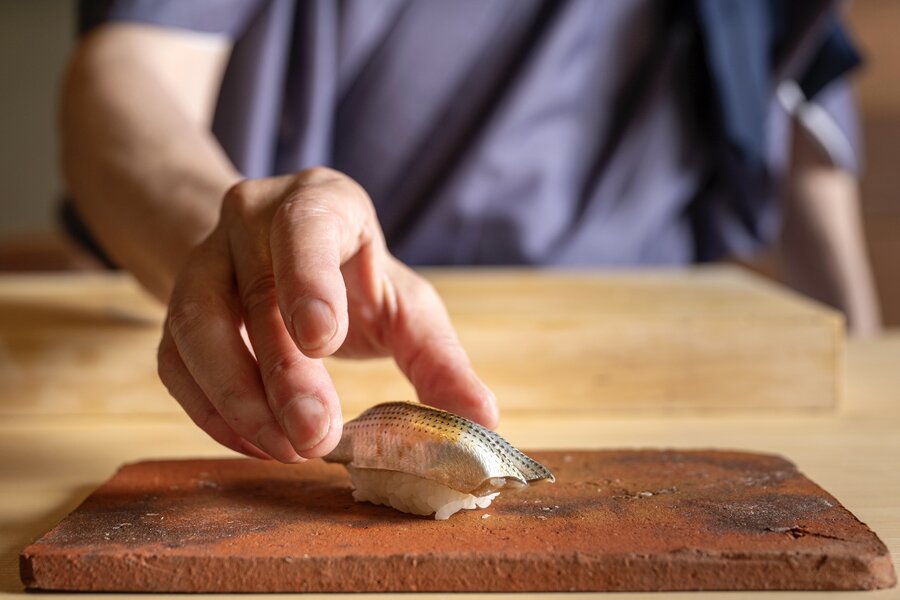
(429, 353)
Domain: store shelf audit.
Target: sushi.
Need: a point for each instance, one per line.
(423, 460)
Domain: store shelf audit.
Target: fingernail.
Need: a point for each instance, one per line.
(306, 422)
(272, 441)
(314, 324)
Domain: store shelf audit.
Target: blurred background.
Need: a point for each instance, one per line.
(36, 37)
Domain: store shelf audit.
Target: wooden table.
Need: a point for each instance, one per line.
(49, 460)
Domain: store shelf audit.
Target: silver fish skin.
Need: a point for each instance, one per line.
(437, 445)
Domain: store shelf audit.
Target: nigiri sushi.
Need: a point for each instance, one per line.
(424, 460)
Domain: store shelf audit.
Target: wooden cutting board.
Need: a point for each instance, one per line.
(615, 520)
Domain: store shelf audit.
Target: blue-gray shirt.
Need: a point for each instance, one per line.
(579, 132)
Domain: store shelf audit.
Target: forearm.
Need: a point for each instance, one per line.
(146, 174)
(823, 243)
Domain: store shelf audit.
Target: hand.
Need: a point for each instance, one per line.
(296, 270)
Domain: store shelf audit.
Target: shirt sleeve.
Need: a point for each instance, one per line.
(831, 118)
(228, 17)
(820, 97)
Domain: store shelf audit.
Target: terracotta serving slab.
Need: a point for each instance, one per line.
(615, 520)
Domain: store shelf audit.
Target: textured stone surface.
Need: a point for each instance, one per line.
(615, 520)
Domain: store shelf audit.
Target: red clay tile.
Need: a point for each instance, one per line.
(615, 520)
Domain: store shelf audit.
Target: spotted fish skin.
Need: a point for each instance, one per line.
(437, 445)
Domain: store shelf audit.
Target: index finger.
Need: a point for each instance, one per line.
(321, 225)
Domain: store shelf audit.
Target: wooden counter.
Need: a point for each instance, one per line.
(56, 445)
(708, 339)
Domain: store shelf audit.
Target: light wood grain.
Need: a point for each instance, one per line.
(50, 459)
(706, 339)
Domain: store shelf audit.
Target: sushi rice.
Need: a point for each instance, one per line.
(411, 494)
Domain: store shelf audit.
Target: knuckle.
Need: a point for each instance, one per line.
(166, 367)
(333, 201)
(275, 369)
(259, 293)
(228, 400)
(323, 181)
(173, 378)
(240, 199)
(317, 175)
(186, 315)
(205, 419)
(304, 208)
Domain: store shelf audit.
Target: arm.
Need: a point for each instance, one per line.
(263, 277)
(822, 244)
(143, 168)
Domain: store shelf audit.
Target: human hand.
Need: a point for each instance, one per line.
(297, 269)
